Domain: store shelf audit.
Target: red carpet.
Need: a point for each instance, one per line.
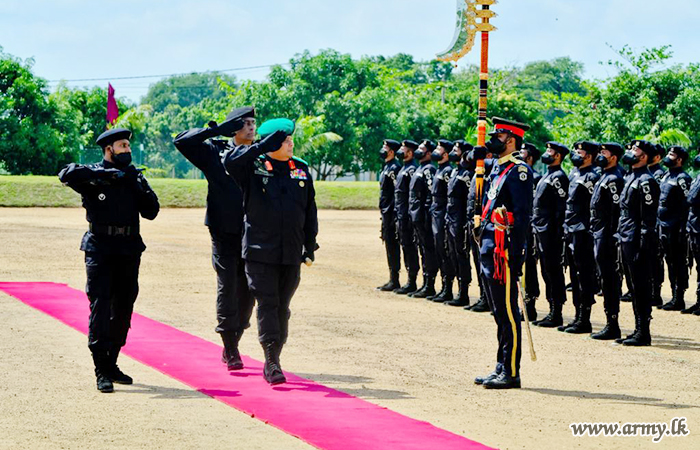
(323, 417)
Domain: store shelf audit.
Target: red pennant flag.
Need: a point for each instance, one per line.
(112, 108)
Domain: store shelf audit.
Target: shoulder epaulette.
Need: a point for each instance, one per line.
(300, 160)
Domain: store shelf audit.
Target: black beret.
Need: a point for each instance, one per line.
(562, 149)
(660, 150)
(413, 145)
(430, 145)
(532, 150)
(647, 147)
(464, 145)
(592, 148)
(501, 125)
(392, 144)
(447, 145)
(614, 148)
(681, 152)
(241, 113)
(109, 137)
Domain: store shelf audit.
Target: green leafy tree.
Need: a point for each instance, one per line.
(186, 90)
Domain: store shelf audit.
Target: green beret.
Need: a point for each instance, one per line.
(270, 126)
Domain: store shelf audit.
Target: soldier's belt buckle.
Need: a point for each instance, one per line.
(120, 231)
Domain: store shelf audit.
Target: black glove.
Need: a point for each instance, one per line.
(309, 253)
(273, 142)
(480, 152)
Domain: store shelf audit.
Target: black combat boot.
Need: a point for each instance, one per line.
(392, 284)
(677, 303)
(656, 299)
(463, 296)
(101, 360)
(531, 309)
(637, 326)
(112, 370)
(577, 316)
(425, 283)
(428, 290)
(502, 381)
(446, 294)
(482, 305)
(409, 287)
(610, 331)
(442, 289)
(691, 309)
(554, 318)
(641, 337)
(272, 370)
(480, 380)
(583, 325)
(230, 355)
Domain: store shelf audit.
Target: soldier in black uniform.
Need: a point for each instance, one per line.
(673, 217)
(456, 218)
(438, 211)
(506, 220)
(579, 240)
(420, 199)
(482, 305)
(605, 215)
(693, 228)
(548, 221)
(406, 233)
(637, 235)
(658, 172)
(531, 154)
(224, 218)
(114, 194)
(389, 233)
(279, 230)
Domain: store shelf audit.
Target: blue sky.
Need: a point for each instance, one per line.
(72, 39)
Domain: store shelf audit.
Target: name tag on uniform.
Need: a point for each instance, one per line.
(297, 174)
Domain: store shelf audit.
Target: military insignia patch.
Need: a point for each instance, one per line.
(264, 180)
(561, 192)
(101, 197)
(523, 176)
(301, 184)
(298, 174)
(522, 168)
(613, 188)
(616, 198)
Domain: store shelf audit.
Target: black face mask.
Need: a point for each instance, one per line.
(400, 154)
(601, 161)
(670, 163)
(383, 154)
(121, 160)
(577, 160)
(696, 162)
(495, 145)
(454, 156)
(630, 159)
(419, 154)
(547, 159)
(436, 156)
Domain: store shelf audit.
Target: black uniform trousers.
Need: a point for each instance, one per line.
(507, 316)
(695, 249)
(658, 272)
(409, 247)
(639, 268)
(459, 254)
(426, 246)
(582, 268)
(390, 236)
(112, 288)
(477, 262)
(606, 258)
(674, 244)
(273, 286)
(234, 302)
(550, 248)
(440, 241)
(532, 282)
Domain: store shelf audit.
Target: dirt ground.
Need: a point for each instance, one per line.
(408, 355)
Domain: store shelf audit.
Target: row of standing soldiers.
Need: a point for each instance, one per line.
(604, 222)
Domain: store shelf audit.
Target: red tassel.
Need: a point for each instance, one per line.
(502, 220)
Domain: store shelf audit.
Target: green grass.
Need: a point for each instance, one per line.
(47, 191)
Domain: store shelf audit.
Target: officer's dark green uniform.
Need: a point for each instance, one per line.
(387, 208)
(407, 236)
(224, 218)
(506, 219)
(605, 215)
(673, 216)
(114, 195)
(637, 235)
(279, 231)
(693, 228)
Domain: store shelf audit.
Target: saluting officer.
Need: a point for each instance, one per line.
(114, 194)
(579, 240)
(637, 235)
(438, 211)
(279, 230)
(693, 228)
(531, 154)
(389, 233)
(224, 218)
(456, 218)
(548, 221)
(673, 217)
(420, 198)
(406, 233)
(605, 215)
(506, 220)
